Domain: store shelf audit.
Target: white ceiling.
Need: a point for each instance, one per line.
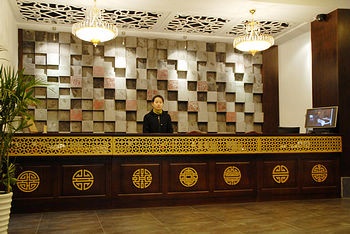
(219, 20)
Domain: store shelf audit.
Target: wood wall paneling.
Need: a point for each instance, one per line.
(140, 178)
(247, 180)
(330, 178)
(271, 93)
(331, 72)
(84, 179)
(344, 87)
(44, 185)
(324, 61)
(273, 171)
(114, 188)
(182, 174)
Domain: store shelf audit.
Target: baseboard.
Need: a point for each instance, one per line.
(345, 187)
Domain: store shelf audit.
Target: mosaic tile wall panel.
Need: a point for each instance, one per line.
(208, 87)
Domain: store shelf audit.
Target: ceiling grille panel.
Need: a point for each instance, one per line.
(195, 24)
(156, 22)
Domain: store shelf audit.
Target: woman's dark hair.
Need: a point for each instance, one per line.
(157, 96)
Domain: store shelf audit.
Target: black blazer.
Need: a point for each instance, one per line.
(153, 123)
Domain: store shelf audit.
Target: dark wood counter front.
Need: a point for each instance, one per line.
(62, 172)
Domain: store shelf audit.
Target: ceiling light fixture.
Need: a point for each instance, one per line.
(253, 40)
(93, 28)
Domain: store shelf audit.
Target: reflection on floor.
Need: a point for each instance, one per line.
(305, 216)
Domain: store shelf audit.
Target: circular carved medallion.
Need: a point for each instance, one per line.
(319, 173)
(83, 179)
(142, 178)
(232, 175)
(28, 181)
(188, 177)
(280, 174)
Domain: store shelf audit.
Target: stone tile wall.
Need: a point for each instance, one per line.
(207, 86)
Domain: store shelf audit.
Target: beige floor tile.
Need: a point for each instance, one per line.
(303, 216)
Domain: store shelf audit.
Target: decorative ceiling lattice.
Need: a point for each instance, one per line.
(132, 19)
(195, 24)
(66, 15)
(267, 27)
(50, 13)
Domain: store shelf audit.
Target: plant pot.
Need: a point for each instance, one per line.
(5, 208)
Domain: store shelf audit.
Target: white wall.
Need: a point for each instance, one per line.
(8, 35)
(295, 80)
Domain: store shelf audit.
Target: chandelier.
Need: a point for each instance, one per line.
(253, 41)
(93, 28)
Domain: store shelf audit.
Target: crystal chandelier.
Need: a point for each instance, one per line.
(93, 28)
(253, 41)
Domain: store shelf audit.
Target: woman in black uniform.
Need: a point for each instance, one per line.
(157, 120)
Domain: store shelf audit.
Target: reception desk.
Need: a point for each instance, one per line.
(63, 172)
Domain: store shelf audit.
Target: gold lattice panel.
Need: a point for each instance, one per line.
(185, 145)
(300, 144)
(173, 145)
(225, 145)
(61, 146)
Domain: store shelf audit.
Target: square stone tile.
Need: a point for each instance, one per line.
(120, 126)
(109, 115)
(120, 83)
(98, 116)
(64, 115)
(230, 117)
(192, 106)
(40, 114)
(141, 84)
(87, 126)
(76, 115)
(76, 81)
(258, 117)
(109, 83)
(203, 116)
(249, 107)
(64, 103)
(174, 116)
(212, 127)
(230, 106)
(131, 105)
(98, 104)
(131, 127)
(98, 127)
(221, 107)
(76, 126)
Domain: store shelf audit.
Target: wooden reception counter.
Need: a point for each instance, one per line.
(62, 172)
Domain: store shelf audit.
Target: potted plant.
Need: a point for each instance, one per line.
(16, 95)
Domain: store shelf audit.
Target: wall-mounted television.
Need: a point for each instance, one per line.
(321, 117)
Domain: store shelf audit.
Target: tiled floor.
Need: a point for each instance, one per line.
(306, 216)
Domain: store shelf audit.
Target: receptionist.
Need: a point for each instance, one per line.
(157, 120)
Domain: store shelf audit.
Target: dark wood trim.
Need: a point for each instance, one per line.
(20, 49)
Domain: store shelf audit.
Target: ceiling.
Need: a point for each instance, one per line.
(209, 20)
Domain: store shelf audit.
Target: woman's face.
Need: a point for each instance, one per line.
(157, 104)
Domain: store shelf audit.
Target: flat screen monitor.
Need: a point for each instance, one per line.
(321, 117)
